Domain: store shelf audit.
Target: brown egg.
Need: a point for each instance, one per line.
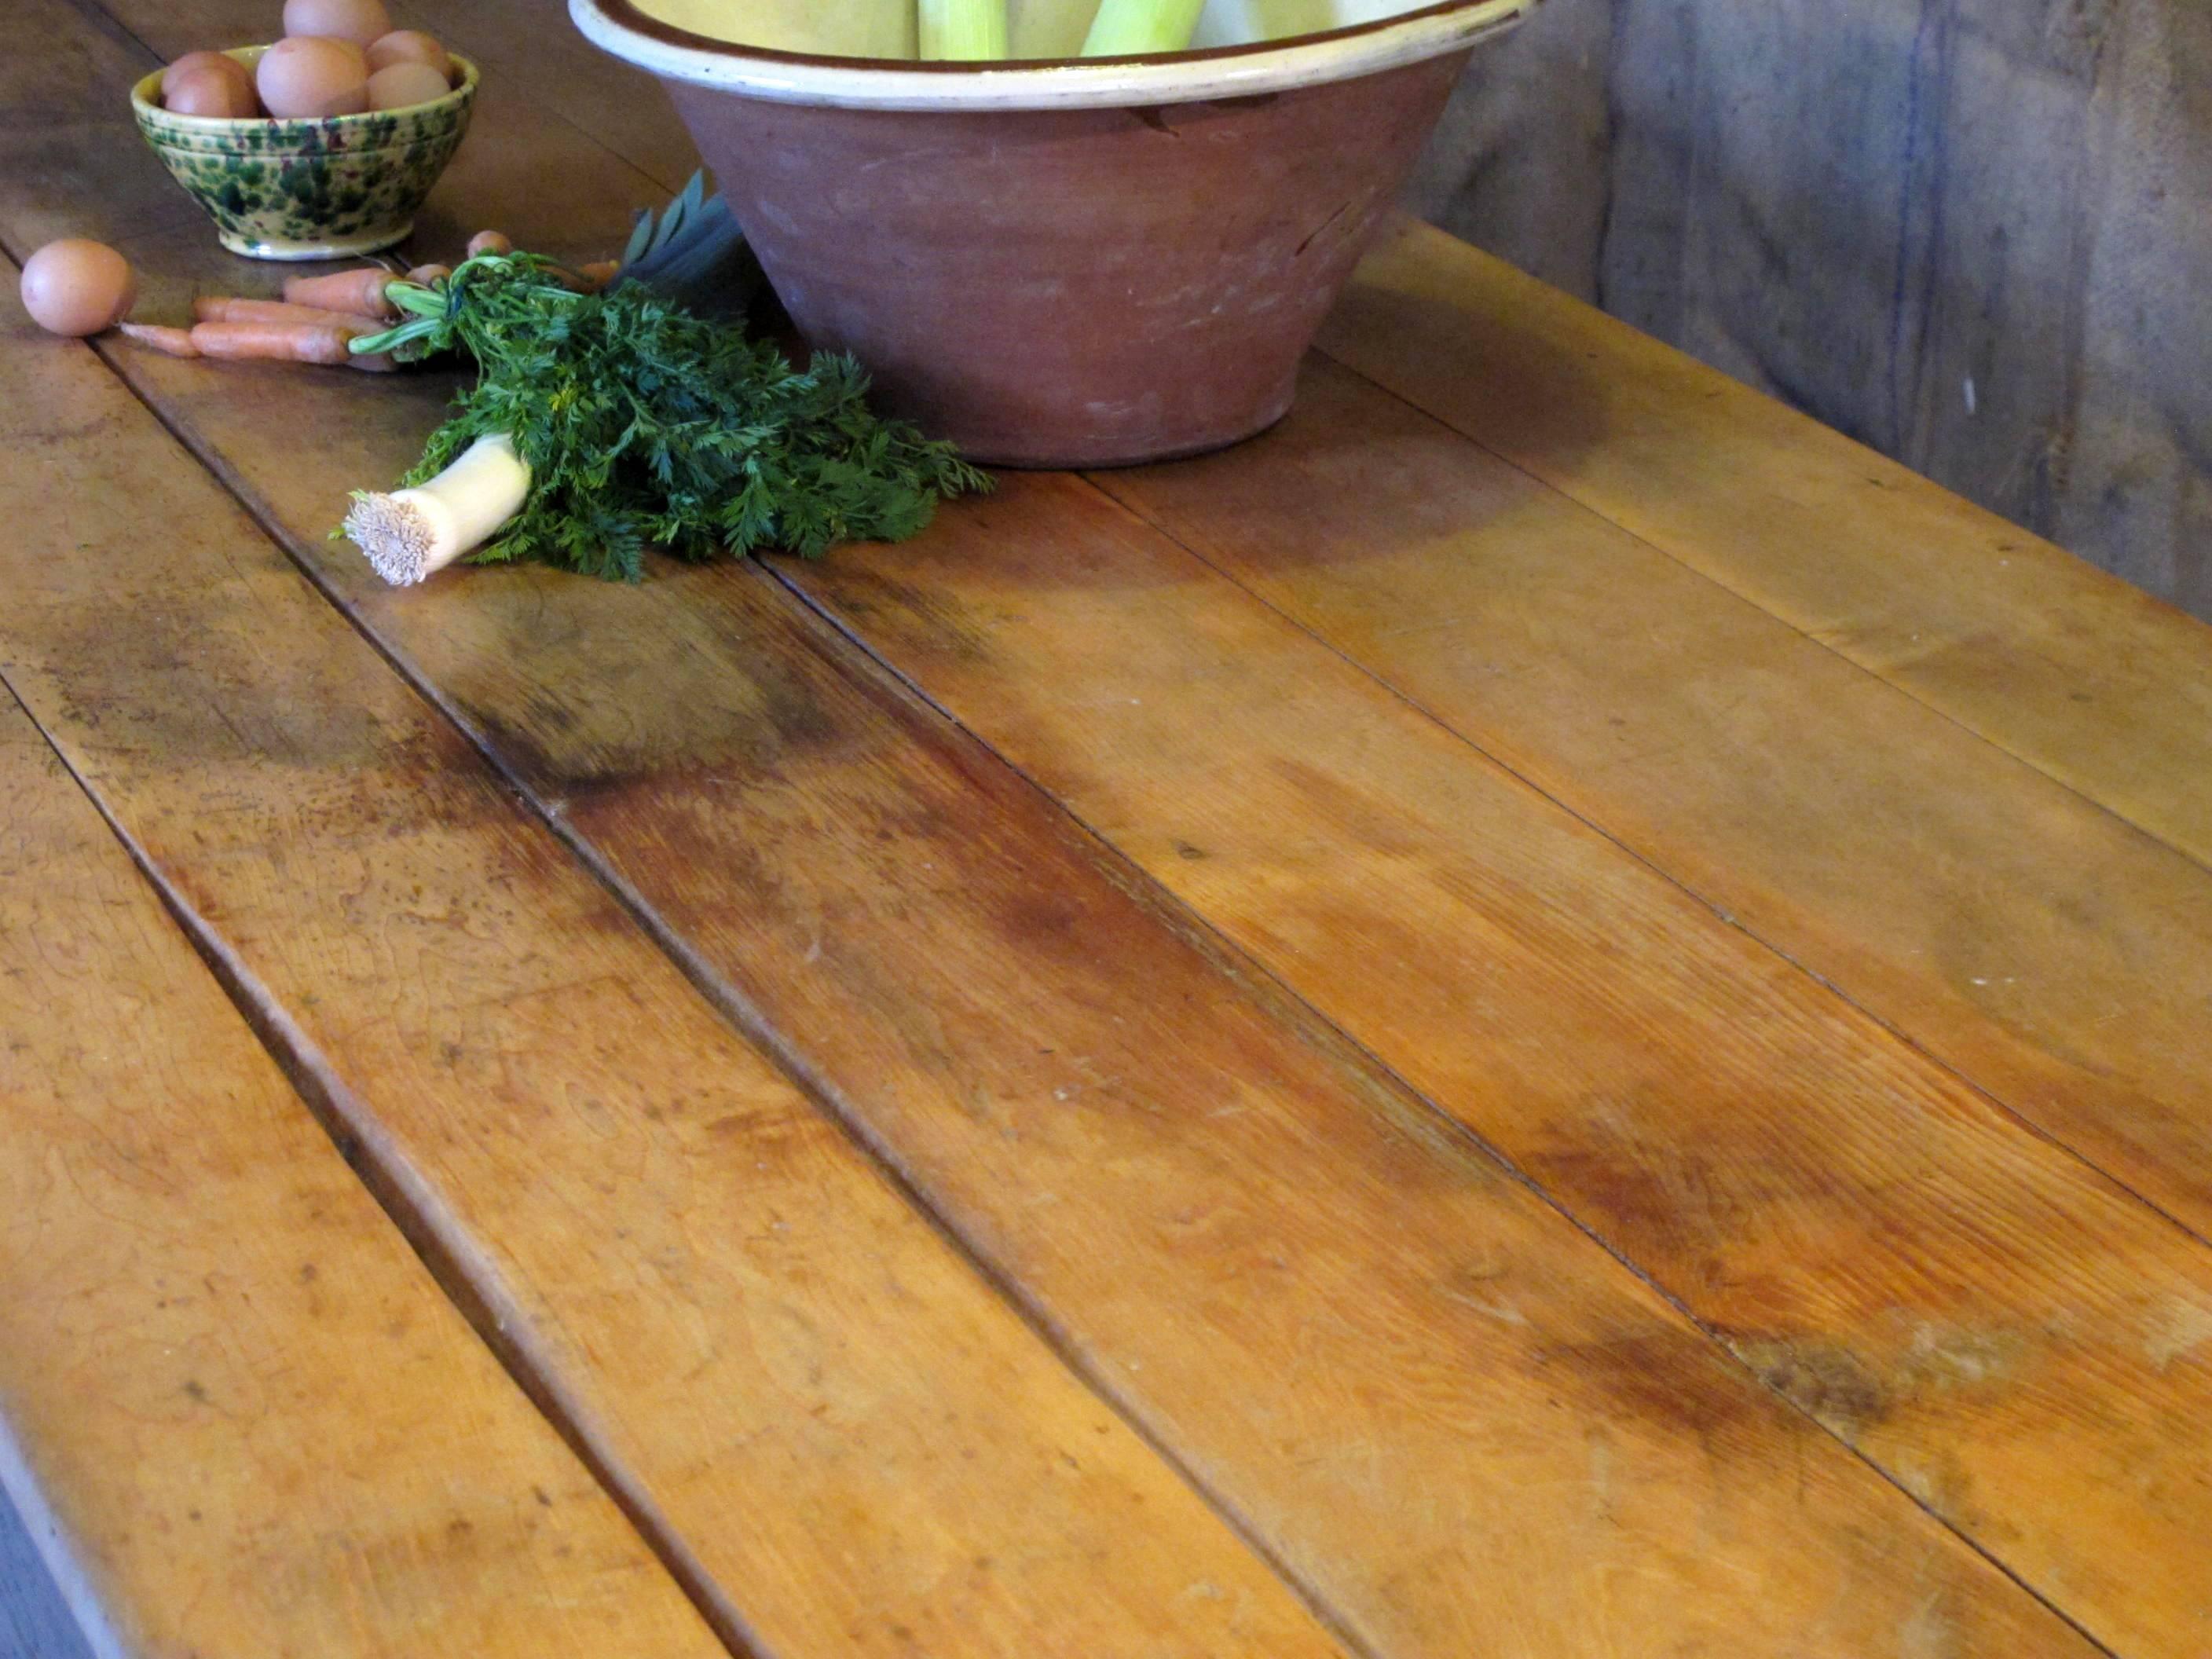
(193, 63)
(77, 288)
(358, 21)
(210, 91)
(406, 84)
(408, 46)
(308, 77)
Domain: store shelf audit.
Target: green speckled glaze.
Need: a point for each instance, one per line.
(309, 190)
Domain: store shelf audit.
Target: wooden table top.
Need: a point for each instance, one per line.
(1548, 1013)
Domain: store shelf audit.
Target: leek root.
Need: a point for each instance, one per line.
(414, 533)
(1132, 28)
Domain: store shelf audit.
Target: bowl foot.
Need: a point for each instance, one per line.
(321, 247)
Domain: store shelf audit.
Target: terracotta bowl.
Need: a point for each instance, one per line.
(1056, 261)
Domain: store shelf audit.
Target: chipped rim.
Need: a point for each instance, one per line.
(1242, 71)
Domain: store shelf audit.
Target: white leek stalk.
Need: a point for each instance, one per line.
(414, 533)
(1133, 28)
(973, 29)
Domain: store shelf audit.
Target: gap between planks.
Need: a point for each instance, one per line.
(1177, 914)
(1172, 911)
(458, 1268)
(750, 1024)
(1280, 999)
(2021, 754)
(231, 485)
(443, 1246)
(1388, 247)
(446, 1249)
(1706, 578)
(1720, 912)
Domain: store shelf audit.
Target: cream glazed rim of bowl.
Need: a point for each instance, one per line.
(1248, 71)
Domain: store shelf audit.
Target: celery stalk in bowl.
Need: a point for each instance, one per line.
(1136, 28)
(963, 29)
(977, 30)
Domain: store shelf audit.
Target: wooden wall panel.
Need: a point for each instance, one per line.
(1974, 234)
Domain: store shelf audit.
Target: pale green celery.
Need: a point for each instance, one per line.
(974, 30)
(1130, 28)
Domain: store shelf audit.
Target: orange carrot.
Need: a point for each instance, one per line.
(423, 275)
(599, 272)
(375, 362)
(359, 292)
(220, 309)
(488, 241)
(290, 343)
(176, 342)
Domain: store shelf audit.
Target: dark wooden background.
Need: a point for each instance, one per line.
(1975, 233)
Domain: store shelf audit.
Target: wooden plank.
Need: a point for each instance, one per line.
(1310, 1293)
(856, 1445)
(1992, 1322)
(1423, 1391)
(252, 1421)
(2054, 954)
(64, 98)
(2078, 674)
(950, 963)
(536, 46)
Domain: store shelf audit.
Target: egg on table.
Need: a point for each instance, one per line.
(362, 22)
(78, 288)
(311, 77)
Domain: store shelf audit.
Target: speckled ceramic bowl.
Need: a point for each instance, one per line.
(308, 190)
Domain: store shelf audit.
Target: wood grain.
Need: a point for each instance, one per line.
(2084, 677)
(2020, 934)
(257, 1425)
(1437, 1403)
(1274, 1263)
(1988, 1320)
(855, 1445)
(1430, 1398)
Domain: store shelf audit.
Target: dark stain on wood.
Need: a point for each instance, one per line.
(1818, 1376)
(1655, 1381)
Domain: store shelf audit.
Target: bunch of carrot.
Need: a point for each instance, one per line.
(318, 318)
